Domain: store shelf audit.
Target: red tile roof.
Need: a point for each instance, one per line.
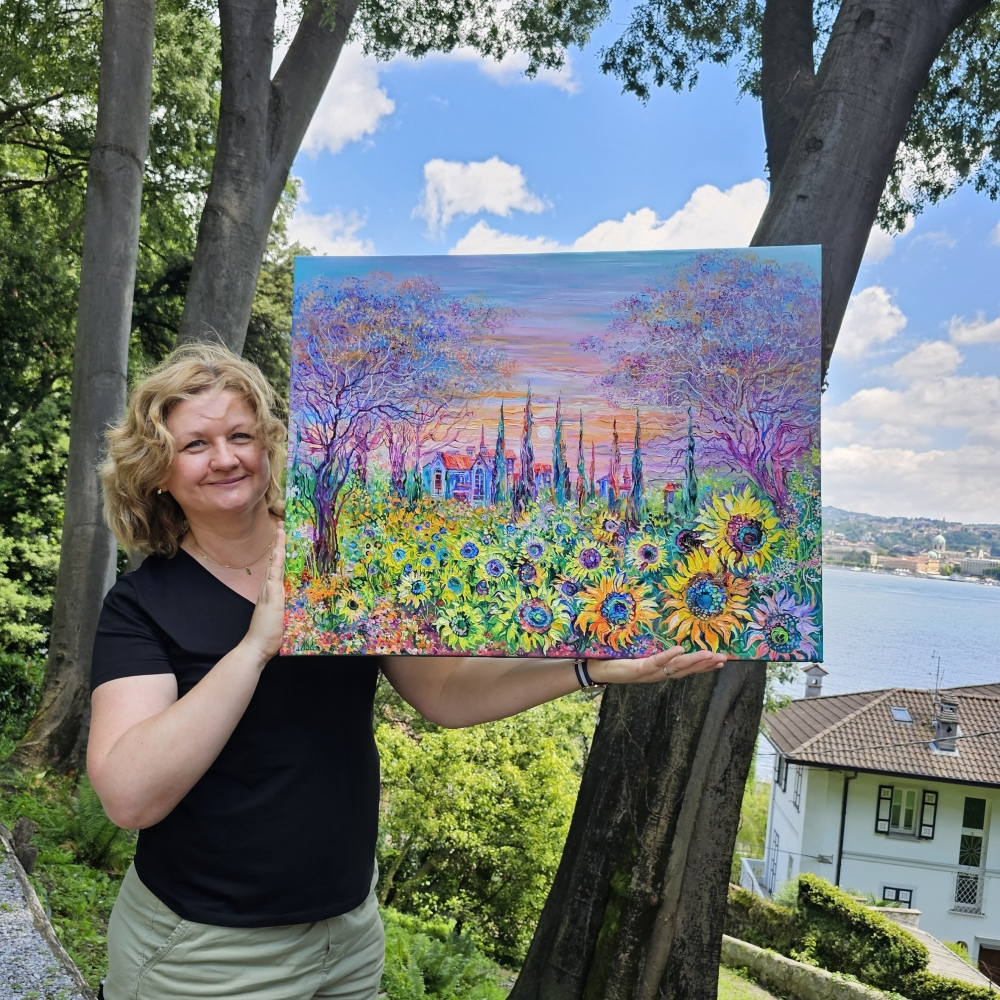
(857, 731)
(456, 462)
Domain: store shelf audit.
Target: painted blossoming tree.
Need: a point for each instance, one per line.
(378, 360)
(736, 338)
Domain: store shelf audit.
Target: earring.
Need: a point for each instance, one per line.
(158, 492)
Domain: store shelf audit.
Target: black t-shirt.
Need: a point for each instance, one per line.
(281, 828)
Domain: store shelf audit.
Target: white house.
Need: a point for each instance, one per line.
(892, 793)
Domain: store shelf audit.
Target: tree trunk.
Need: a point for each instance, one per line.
(827, 187)
(57, 735)
(261, 125)
(637, 906)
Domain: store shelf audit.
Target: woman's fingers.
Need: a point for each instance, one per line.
(668, 664)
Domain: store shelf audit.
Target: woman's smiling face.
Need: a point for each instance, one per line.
(219, 465)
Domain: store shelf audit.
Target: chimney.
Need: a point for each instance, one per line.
(470, 451)
(946, 727)
(814, 679)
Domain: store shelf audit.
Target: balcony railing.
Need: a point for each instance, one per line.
(751, 876)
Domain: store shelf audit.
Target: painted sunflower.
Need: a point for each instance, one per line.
(590, 561)
(462, 627)
(451, 587)
(741, 527)
(609, 530)
(645, 554)
(413, 590)
(534, 620)
(705, 602)
(616, 610)
(350, 606)
(782, 629)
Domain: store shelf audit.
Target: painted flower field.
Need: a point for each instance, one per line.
(435, 577)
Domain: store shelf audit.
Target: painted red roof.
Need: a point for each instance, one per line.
(456, 462)
(542, 467)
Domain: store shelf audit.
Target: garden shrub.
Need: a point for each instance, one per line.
(843, 935)
(761, 922)
(925, 985)
(426, 958)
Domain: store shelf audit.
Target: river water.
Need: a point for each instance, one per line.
(881, 630)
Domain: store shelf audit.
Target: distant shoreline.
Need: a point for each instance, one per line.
(906, 574)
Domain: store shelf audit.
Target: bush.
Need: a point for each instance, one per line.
(20, 688)
(763, 923)
(843, 935)
(928, 986)
(426, 958)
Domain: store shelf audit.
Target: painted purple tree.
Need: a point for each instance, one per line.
(735, 336)
(370, 357)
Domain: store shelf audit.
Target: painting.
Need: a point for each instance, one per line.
(598, 454)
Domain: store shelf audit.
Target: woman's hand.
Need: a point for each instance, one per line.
(268, 619)
(668, 665)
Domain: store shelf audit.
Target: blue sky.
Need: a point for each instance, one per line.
(457, 154)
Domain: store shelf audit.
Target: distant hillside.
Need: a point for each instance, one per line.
(910, 535)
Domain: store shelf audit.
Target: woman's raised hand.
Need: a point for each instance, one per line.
(268, 619)
(668, 665)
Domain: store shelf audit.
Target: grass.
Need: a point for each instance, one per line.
(736, 984)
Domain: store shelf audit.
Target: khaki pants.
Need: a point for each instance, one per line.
(154, 955)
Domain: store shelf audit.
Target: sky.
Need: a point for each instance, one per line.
(455, 154)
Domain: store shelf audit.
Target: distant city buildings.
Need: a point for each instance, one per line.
(938, 560)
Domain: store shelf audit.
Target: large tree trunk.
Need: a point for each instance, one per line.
(261, 125)
(826, 186)
(637, 906)
(57, 735)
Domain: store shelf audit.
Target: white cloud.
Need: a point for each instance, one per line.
(493, 186)
(510, 69)
(871, 319)
(710, 218)
(352, 106)
(933, 357)
(961, 483)
(331, 234)
(977, 331)
(481, 238)
(937, 238)
(995, 234)
(881, 244)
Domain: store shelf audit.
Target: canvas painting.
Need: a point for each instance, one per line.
(556, 455)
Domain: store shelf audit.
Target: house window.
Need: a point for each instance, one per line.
(781, 773)
(438, 483)
(902, 896)
(797, 787)
(901, 714)
(969, 883)
(903, 815)
(479, 485)
(773, 873)
(902, 811)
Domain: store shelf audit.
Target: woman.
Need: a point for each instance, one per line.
(253, 779)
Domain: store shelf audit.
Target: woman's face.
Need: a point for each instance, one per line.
(219, 466)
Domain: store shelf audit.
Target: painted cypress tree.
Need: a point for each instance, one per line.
(498, 483)
(689, 501)
(614, 469)
(560, 471)
(525, 489)
(593, 464)
(635, 508)
(581, 472)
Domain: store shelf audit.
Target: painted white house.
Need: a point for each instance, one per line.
(874, 792)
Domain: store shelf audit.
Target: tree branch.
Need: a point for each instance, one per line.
(787, 74)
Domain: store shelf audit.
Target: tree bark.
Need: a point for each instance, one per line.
(637, 905)
(261, 125)
(58, 733)
(828, 187)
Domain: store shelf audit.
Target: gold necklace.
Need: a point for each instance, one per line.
(208, 558)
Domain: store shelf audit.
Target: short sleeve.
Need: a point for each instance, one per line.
(128, 643)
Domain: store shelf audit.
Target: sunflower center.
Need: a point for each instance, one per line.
(460, 625)
(527, 573)
(494, 567)
(618, 609)
(469, 550)
(590, 558)
(648, 553)
(454, 584)
(705, 598)
(569, 588)
(535, 615)
(688, 540)
(744, 534)
(782, 633)
(535, 550)
(418, 587)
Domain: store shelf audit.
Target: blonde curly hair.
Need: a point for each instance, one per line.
(141, 449)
